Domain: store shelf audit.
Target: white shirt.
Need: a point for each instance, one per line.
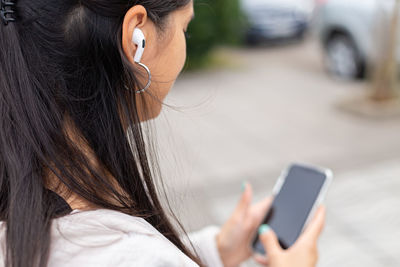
(110, 238)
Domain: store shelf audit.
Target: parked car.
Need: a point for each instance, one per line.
(347, 30)
(271, 20)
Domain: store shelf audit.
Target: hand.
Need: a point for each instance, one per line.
(303, 253)
(236, 234)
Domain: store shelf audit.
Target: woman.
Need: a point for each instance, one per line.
(77, 184)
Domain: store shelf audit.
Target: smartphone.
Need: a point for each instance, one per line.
(297, 194)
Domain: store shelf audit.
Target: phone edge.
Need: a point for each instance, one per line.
(320, 199)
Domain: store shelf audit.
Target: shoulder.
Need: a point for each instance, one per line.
(110, 238)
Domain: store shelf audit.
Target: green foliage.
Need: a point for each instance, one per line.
(216, 22)
(230, 21)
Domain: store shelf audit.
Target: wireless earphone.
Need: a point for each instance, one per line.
(139, 39)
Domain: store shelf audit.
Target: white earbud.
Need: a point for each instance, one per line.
(139, 40)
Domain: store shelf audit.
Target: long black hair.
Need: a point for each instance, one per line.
(62, 63)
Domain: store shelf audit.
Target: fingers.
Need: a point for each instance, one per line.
(261, 208)
(314, 229)
(263, 205)
(263, 260)
(269, 240)
(245, 200)
(258, 212)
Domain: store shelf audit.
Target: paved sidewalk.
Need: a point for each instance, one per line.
(363, 219)
(279, 106)
(363, 214)
(363, 226)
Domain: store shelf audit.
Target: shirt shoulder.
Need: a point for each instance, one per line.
(110, 238)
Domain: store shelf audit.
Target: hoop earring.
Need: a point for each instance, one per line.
(148, 82)
(149, 78)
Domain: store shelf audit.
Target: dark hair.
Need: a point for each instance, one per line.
(62, 62)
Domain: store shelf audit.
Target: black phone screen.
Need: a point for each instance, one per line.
(291, 206)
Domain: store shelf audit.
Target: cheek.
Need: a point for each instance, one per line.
(182, 50)
(177, 54)
(165, 64)
(171, 60)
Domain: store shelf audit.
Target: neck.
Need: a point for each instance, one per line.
(53, 182)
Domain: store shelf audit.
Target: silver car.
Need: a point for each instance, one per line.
(272, 20)
(350, 31)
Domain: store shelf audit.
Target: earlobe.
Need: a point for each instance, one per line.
(134, 41)
(139, 40)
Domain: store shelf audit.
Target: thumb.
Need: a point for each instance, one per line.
(269, 240)
(314, 229)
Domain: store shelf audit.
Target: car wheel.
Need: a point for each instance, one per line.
(252, 40)
(342, 58)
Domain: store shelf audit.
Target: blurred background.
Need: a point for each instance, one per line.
(270, 82)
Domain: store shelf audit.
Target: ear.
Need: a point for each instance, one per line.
(136, 17)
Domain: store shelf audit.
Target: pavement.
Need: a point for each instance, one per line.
(270, 107)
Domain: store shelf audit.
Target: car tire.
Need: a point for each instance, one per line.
(343, 59)
(252, 40)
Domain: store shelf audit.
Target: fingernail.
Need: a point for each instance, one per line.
(264, 228)
(244, 183)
